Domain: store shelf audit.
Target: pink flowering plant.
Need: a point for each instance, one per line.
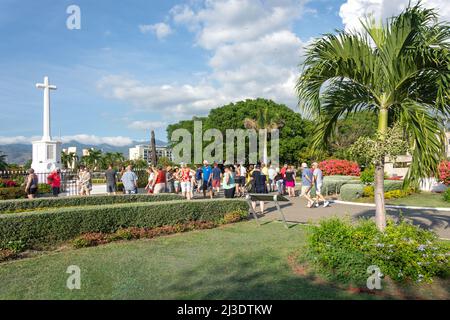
(334, 167)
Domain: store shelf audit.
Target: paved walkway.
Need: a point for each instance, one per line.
(297, 212)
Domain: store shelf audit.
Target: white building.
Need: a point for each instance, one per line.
(144, 152)
(402, 163)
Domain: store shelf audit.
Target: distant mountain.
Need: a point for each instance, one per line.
(21, 153)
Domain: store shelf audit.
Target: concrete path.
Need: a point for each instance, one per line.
(297, 212)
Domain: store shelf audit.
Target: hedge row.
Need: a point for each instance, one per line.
(351, 191)
(39, 203)
(333, 184)
(50, 227)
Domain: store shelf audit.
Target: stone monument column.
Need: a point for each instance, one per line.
(46, 152)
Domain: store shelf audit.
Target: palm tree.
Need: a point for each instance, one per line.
(68, 160)
(265, 122)
(400, 71)
(93, 159)
(3, 164)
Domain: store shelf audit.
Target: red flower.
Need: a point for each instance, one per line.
(334, 167)
(444, 172)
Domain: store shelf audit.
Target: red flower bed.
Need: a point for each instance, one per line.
(7, 184)
(335, 167)
(444, 172)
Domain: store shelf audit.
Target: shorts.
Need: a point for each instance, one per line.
(32, 191)
(159, 188)
(216, 183)
(306, 190)
(110, 188)
(241, 181)
(206, 185)
(319, 189)
(199, 183)
(185, 186)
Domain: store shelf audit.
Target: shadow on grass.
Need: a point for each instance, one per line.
(245, 277)
(427, 219)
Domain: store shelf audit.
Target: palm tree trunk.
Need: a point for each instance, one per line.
(380, 210)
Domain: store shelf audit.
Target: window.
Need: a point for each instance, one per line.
(50, 152)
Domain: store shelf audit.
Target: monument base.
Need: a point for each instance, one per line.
(46, 158)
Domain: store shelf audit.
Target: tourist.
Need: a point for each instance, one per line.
(85, 181)
(229, 186)
(54, 180)
(111, 180)
(207, 179)
(150, 180)
(31, 186)
(159, 183)
(259, 185)
(243, 179)
(198, 177)
(185, 175)
(216, 175)
(176, 181)
(279, 182)
(237, 179)
(272, 173)
(289, 181)
(307, 183)
(170, 180)
(129, 180)
(318, 181)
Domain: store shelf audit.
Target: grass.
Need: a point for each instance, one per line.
(239, 261)
(423, 199)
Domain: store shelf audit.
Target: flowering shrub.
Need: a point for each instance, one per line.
(343, 251)
(335, 167)
(444, 172)
(7, 183)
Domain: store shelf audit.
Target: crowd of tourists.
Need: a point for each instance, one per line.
(207, 180)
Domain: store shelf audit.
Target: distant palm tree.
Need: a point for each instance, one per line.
(265, 122)
(93, 159)
(399, 71)
(68, 160)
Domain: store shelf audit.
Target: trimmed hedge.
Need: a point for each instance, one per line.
(350, 192)
(39, 203)
(390, 185)
(333, 184)
(49, 227)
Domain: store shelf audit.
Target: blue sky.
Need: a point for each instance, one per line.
(141, 64)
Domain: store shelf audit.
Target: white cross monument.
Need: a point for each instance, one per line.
(46, 152)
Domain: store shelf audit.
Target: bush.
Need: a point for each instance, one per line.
(24, 205)
(368, 175)
(447, 195)
(333, 184)
(390, 185)
(12, 193)
(344, 251)
(444, 172)
(339, 167)
(369, 192)
(44, 188)
(4, 183)
(49, 227)
(350, 192)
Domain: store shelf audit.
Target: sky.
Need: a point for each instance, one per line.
(138, 65)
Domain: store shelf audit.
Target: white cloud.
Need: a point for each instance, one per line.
(253, 53)
(147, 125)
(81, 138)
(353, 10)
(161, 30)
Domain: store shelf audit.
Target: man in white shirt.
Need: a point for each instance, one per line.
(272, 174)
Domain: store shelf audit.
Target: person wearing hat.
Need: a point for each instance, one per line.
(307, 183)
(54, 180)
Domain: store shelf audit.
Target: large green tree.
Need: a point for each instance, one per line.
(399, 70)
(294, 130)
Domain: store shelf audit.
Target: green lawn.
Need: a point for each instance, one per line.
(423, 199)
(241, 261)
